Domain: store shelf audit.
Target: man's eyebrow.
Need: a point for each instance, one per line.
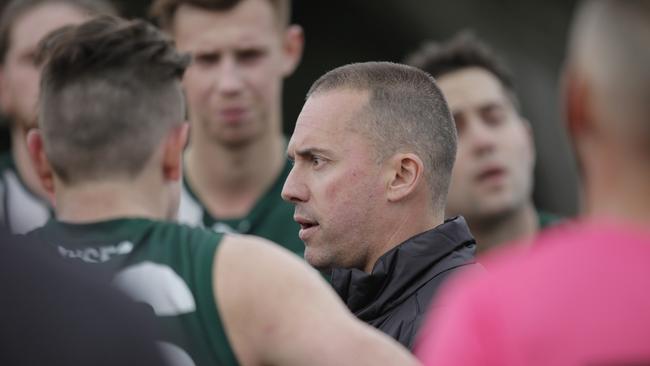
(492, 104)
(306, 152)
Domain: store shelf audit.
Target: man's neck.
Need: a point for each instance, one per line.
(105, 201)
(230, 181)
(515, 225)
(405, 225)
(24, 166)
(618, 191)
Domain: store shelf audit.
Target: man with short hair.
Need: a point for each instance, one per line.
(235, 162)
(492, 180)
(110, 151)
(579, 297)
(373, 150)
(24, 204)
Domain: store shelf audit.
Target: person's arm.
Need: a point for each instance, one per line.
(278, 311)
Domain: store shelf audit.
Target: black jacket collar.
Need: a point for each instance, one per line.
(404, 269)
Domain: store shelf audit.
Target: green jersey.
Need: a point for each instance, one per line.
(270, 218)
(546, 219)
(166, 265)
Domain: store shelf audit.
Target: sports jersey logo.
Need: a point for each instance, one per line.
(98, 254)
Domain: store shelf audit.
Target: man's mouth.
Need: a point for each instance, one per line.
(232, 114)
(307, 227)
(492, 174)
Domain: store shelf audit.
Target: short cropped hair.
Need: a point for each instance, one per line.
(164, 11)
(609, 48)
(462, 51)
(17, 8)
(110, 91)
(406, 112)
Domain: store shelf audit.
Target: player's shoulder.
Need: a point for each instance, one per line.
(259, 257)
(553, 255)
(180, 232)
(565, 244)
(251, 247)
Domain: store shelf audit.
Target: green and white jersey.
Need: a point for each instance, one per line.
(20, 209)
(166, 265)
(270, 218)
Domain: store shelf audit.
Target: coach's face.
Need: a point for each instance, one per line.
(336, 182)
(19, 76)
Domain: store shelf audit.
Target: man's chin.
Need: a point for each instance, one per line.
(235, 143)
(318, 262)
(496, 212)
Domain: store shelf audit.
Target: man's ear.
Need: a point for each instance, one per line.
(39, 160)
(293, 44)
(406, 170)
(575, 95)
(173, 152)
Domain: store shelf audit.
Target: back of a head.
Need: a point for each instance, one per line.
(609, 50)
(406, 112)
(16, 8)
(164, 11)
(110, 91)
(462, 51)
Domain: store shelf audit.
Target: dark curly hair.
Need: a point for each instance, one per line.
(462, 51)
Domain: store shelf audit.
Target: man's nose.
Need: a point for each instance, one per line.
(294, 190)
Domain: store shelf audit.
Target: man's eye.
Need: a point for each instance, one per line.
(206, 59)
(248, 56)
(317, 161)
(494, 115)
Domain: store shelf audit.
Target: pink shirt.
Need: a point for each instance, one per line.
(579, 296)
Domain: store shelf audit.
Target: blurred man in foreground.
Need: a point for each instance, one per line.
(579, 296)
(49, 313)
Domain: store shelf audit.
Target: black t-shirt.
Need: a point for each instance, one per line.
(54, 313)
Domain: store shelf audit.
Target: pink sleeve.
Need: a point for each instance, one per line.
(460, 326)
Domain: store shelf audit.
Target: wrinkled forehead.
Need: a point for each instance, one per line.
(329, 117)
